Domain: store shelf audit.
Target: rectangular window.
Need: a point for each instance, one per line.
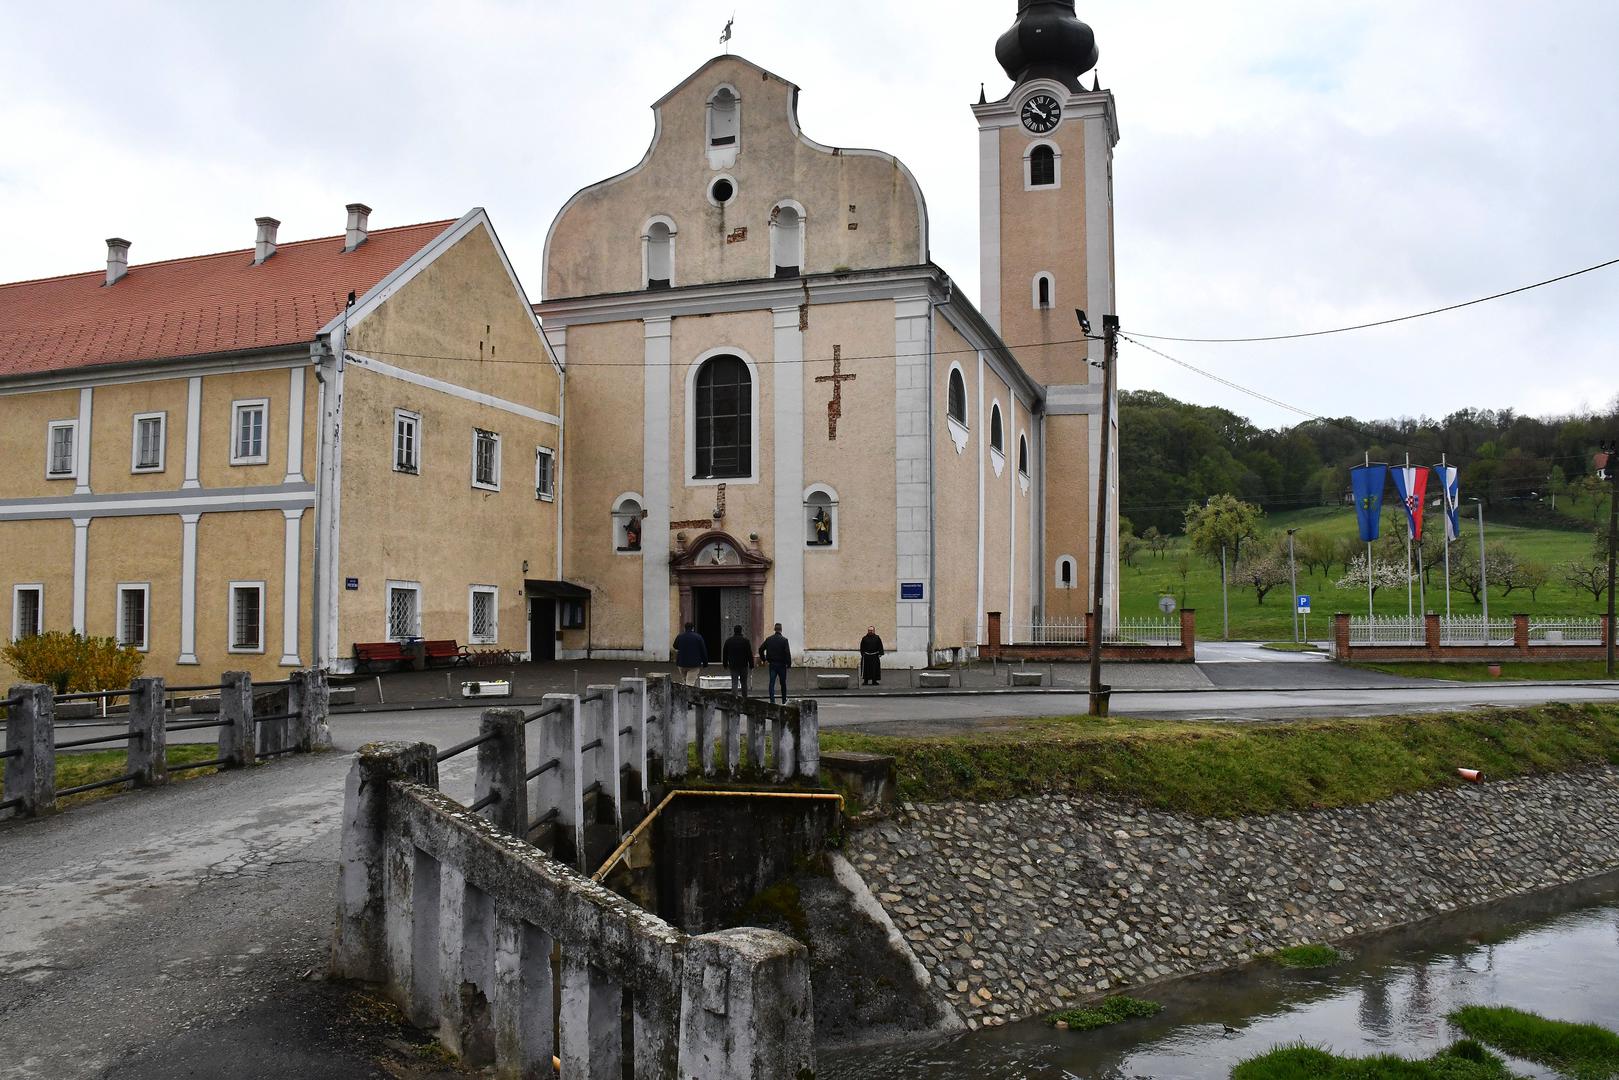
(27, 611)
(483, 615)
(404, 610)
(407, 440)
(147, 453)
(61, 446)
(133, 615)
(485, 459)
(249, 419)
(544, 473)
(247, 616)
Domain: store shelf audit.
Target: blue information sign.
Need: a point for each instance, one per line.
(910, 590)
(351, 583)
(1304, 605)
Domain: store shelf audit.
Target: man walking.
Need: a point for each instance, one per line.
(691, 654)
(737, 656)
(778, 655)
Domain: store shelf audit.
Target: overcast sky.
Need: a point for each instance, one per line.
(1283, 166)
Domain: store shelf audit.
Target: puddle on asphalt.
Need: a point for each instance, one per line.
(1555, 953)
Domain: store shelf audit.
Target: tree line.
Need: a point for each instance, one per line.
(1173, 454)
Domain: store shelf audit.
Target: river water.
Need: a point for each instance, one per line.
(1555, 953)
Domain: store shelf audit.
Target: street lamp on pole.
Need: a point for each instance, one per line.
(1293, 576)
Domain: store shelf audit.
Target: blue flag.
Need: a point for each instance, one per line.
(1368, 482)
(1451, 492)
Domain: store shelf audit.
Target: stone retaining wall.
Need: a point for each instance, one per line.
(1022, 906)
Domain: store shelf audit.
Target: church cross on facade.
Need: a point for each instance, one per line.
(834, 408)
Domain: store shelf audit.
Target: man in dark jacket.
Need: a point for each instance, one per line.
(778, 656)
(691, 654)
(737, 656)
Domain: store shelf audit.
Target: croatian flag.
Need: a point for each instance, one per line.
(1411, 481)
(1368, 481)
(1446, 475)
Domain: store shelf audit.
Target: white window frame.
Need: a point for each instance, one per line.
(780, 236)
(831, 509)
(387, 609)
(72, 472)
(1023, 455)
(958, 429)
(997, 454)
(1028, 166)
(145, 589)
(415, 420)
(1073, 572)
(230, 614)
(495, 435)
(135, 465)
(236, 410)
(646, 248)
(548, 492)
(493, 592)
(1051, 291)
(37, 588)
(690, 479)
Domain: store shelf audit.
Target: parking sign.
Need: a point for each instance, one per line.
(1304, 605)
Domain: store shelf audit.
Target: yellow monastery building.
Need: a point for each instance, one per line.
(778, 408)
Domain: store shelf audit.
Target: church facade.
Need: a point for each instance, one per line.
(780, 410)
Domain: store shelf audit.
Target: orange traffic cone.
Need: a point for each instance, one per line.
(1472, 776)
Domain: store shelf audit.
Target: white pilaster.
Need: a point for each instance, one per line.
(1099, 301)
(913, 478)
(188, 588)
(980, 452)
(989, 225)
(81, 484)
(291, 588)
(1011, 525)
(655, 459)
(788, 387)
(193, 429)
(295, 427)
(81, 556)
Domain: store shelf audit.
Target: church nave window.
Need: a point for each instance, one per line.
(627, 515)
(723, 415)
(958, 397)
(724, 117)
(658, 243)
(1023, 454)
(996, 441)
(1065, 572)
(821, 517)
(787, 240)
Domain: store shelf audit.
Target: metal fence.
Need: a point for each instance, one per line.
(1387, 630)
(1565, 631)
(1475, 630)
(1072, 631)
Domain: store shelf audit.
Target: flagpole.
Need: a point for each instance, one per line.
(1445, 479)
(1370, 614)
(1409, 520)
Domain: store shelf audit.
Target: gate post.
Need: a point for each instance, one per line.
(31, 775)
(237, 736)
(148, 749)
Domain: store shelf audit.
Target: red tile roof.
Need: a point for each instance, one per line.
(194, 306)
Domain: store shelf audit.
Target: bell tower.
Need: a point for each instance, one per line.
(1045, 156)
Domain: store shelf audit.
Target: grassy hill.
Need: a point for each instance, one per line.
(1153, 576)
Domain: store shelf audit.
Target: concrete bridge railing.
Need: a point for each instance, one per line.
(514, 957)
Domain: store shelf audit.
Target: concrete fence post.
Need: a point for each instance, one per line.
(676, 761)
(809, 739)
(785, 735)
(466, 964)
(591, 1037)
(503, 769)
(148, 728)
(237, 737)
(525, 1025)
(559, 791)
(758, 723)
(360, 940)
(31, 775)
(633, 744)
(745, 1007)
(708, 735)
(657, 709)
(309, 695)
(731, 721)
(601, 764)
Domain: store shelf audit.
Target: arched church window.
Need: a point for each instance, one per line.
(660, 254)
(787, 240)
(958, 397)
(1042, 167)
(821, 517)
(1065, 572)
(627, 518)
(996, 442)
(1044, 289)
(724, 118)
(1023, 454)
(723, 414)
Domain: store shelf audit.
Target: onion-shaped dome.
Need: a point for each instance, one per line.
(1047, 42)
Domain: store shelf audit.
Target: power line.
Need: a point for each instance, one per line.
(1383, 322)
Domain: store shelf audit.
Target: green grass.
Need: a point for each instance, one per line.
(1307, 956)
(1581, 1051)
(1551, 669)
(1110, 1010)
(73, 769)
(1230, 770)
(1153, 576)
(1465, 1060)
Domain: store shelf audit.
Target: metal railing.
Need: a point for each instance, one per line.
(1475, 630)
(1565, 631)
(1387, 630)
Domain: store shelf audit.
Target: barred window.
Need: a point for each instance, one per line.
(407, 441)
(247, 617)
(482, 619)
(404, 610)
(724, 419)
(132, 615)
(28, 611)
(486, 459)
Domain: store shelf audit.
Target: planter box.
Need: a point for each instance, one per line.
(487, 688)
(1028, 678)
(935, 678)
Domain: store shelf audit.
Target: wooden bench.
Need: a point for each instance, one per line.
(379, 652)
(449, 651)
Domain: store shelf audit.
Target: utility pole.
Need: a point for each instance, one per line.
(1225, 601)
(1110, 345)
(1293, 576)
(1483, 569)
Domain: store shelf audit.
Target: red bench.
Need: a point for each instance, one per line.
(449, 651)
(379, 652)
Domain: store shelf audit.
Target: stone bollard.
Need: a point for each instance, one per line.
(31, 775)
(809, 739)
(148, 727)
(237, 737)
(745, 1007)
(360, 941)
(676, 758)
(502, 770)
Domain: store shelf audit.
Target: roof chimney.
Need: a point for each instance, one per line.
(264, 245)
(117, 258)
(358, 227)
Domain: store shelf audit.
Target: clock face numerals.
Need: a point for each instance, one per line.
(1041, 113)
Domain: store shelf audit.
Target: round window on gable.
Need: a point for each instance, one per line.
(722, 190)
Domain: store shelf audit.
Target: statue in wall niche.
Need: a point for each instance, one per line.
(632, 534)
(823, 527)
